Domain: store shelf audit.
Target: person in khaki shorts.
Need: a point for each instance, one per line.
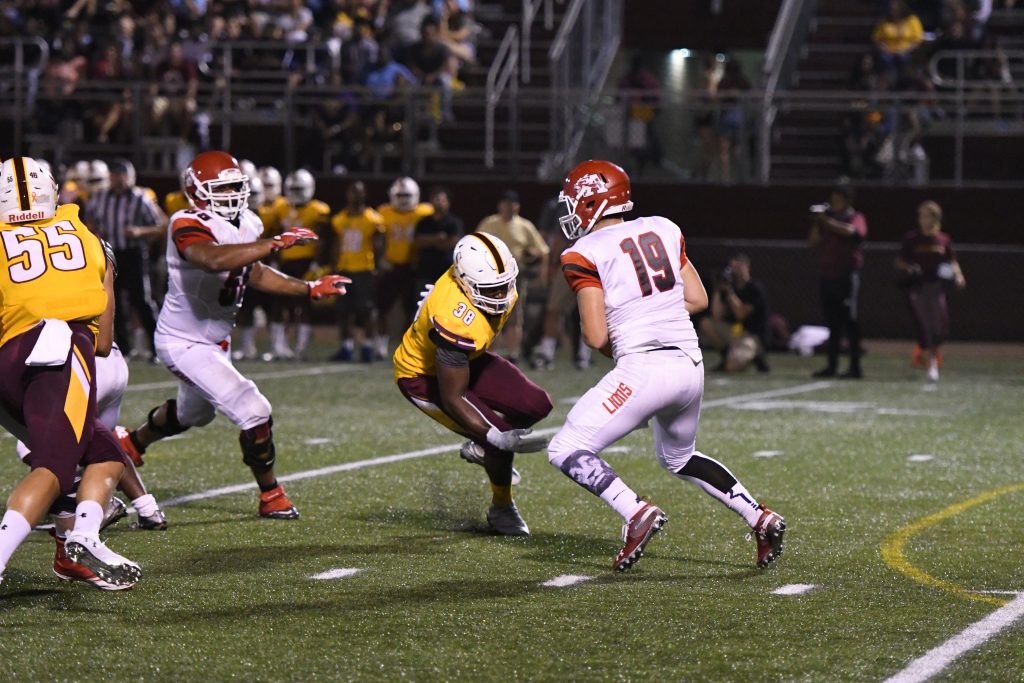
(738, 319)
(529, 248)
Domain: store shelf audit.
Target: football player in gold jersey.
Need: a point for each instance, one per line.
(356, 247)
(56, 314)
(444, 368)
(396, 273)
(299, 210)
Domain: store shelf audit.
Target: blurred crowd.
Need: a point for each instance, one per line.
(886, 144)
(365, 52)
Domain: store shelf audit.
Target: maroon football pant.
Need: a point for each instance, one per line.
(58, 406)
(506, 397)
(931, 314)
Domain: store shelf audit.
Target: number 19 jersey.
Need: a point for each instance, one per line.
(200, 306)
(637, 263)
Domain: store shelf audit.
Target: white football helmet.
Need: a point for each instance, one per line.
(404, 194)
(78, 173)
(99, 176)
(271, 178)
(248, 168)
(256, 195)
(486, 271)
(299, 187)
(28, 192)
(45, 165)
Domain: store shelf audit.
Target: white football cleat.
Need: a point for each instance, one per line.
(474, 453)
(90, 552)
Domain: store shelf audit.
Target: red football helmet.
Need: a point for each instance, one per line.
(214, 181)
(591, 191)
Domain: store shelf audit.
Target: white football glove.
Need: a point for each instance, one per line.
(427, 289)
(516, 440)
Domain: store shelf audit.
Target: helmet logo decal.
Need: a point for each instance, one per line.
(589, 185)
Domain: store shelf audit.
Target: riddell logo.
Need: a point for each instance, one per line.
(25, 216)
(617, 399)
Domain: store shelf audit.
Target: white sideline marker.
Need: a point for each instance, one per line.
(766, 454)
(341, 573)
(566, 580)
(793, 589)
(437, 450)
(935, 660)
(921, 457)
(317, 441)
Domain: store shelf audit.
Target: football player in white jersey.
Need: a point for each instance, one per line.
(636, 291)
(213, 253)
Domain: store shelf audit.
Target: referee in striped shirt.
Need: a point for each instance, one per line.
(128, 220)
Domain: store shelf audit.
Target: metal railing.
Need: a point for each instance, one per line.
(502, 74)
(531, 9)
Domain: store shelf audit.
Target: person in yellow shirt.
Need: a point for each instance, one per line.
(528, 247)
(56, 315)
(396, 276)
(897, 35)
(444, 367)
(356, 246)
(299, 210)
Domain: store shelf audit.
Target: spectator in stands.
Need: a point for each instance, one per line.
(704, 120)
(435, 238)
(865, 75)
(428, 60)
(128, 220)
(531, 253)
(731, 117)
(642, 96)
(897, 35)
(838, 231)
(404, 24)
(176, 81)
(926, 262)
(336, 123)
(296, 22)
(737, 322)
(457, 32)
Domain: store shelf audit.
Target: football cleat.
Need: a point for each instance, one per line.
(506, 521)
(768, 531)
(474, 453)
(154, 522)
(125, 438)
(274, 504)
(636, 533)
(66, 570)
(89, 551)
(116, 509)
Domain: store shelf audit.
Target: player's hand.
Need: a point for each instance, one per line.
(427, 289)
(328, 285)
(293, 236)
(516, 440)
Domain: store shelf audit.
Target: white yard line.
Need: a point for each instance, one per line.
(566, 580)
(793, 589)
(448, 448)
(341, 573)
(276, 374)
(934, 661)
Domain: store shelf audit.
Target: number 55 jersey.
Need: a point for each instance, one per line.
(200, 306)
(637, 263)
(446, 318)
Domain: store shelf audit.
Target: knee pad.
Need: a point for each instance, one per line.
(258, 445)
(171, 424)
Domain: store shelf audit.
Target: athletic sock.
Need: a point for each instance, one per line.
(14, 529)
(268, 487)
(547, 347)
(303, 336)
(277, 336)
(248, 340)
(622, 499)
(88, 517)
(501, 496)
(145, 505)
(718, 482)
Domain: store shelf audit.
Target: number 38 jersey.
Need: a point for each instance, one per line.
(200, 306)
(447, 317)
(50, 269)
(637, 263)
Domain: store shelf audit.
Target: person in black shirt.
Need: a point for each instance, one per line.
(435, 239)
(738, 318)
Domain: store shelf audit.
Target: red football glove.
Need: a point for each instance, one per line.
(328, 285)
(293, 236)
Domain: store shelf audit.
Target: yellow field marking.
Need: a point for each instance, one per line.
(892, 547)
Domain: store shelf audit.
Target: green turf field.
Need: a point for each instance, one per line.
(226, 595)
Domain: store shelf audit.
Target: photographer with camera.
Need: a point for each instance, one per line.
(925, 264)
(738, 318)
(838, 231)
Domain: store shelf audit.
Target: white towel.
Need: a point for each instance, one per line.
(53, 345)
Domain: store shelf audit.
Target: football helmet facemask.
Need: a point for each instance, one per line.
(299, 187)
(404, 194)
(592, 191)
(214, 181)
(28, 191)
(486, 272)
